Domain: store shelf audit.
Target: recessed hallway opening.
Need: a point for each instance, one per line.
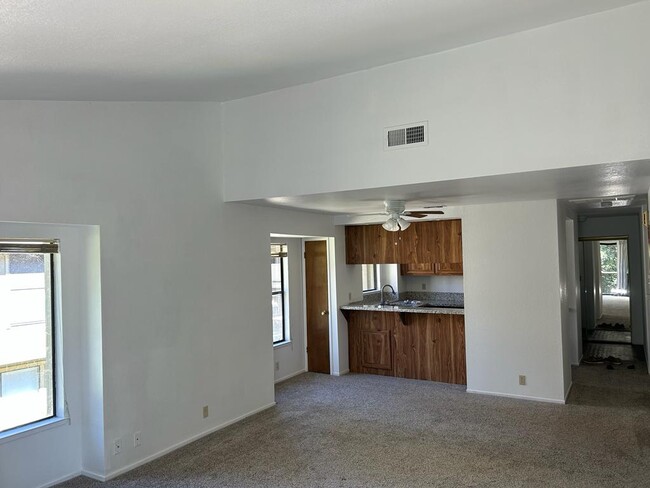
(611, 278)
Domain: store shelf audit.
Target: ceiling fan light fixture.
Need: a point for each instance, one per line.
(403, 224)
(391, 225)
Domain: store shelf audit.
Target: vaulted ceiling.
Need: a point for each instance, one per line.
(227, 49)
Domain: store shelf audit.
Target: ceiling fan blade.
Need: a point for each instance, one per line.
(419, 215)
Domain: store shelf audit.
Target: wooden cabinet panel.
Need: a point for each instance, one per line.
(449, 269)
(355, 246)
(449, 247)
(425, 248)
(370, 342)
(430, 347)
(434, 248)
(417, 243)
(384, 245)
(375, 349)
(425, 269)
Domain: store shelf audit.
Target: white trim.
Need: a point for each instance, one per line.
(341, 373)
(60, 480)
(33, 428)
(568, 390)
(283, 343)
(93, 475)
(518, 397)
(178, 445)
(289, 376)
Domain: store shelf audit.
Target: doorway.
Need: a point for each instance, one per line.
(317, 307)
(607, 323)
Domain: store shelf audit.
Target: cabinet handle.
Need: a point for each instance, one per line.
(324, 312)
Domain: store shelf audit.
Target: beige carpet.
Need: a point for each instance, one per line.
(372, 431)
(615, 309)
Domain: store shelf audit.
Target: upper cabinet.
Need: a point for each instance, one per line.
(370, 244)
(425, 248)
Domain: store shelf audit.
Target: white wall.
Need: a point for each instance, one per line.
(570, 94)
(290, 357)
(513, 323)
(184, 277)
(449, 284)
(569, 320)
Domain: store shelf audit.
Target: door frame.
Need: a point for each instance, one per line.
(331, 302)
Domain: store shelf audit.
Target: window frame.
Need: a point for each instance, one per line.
(283, 256)
(49, 248)
(375, 273)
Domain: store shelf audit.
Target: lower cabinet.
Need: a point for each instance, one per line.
(424, 346)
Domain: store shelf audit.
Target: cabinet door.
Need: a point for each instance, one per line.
(448, 247)
(355, 246)
(420, 269)
(431, 347)
(375, 349)
(370, 345)
(417, 244)
(382, 247)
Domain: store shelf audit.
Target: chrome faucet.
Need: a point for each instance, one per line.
(383, 302)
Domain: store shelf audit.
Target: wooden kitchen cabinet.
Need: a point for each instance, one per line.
(425, 248)
(431, 347)
(355, 244)
(370, 342)
(426, 347)
(449, 247)
(371, 244)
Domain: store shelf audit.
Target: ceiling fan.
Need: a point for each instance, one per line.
(396, 211)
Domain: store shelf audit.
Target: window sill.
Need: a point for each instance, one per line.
(33, 428)
(280, 344)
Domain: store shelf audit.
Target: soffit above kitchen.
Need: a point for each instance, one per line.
(229, 49)
(584, 182)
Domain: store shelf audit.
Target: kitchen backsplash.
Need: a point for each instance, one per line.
(437, 298)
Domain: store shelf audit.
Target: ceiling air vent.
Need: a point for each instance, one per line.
(405, 136)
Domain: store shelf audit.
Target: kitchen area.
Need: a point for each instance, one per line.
(410, 324)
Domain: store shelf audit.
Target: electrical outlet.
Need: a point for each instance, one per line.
(522, 380)
(137, 439)
(350, 296)
(205, 412)
(424, 286)
(117, 447)
(277, 365)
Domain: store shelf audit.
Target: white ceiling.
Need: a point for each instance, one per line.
(227, 49)
(567, 183)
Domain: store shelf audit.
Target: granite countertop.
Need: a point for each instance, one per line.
(450, 303)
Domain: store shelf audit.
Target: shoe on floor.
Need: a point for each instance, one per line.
(593, 360)
(613, 360)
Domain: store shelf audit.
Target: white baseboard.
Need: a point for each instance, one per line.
(284, 378)
(341, 373)
(93, 475)
(518, 397)
(60, 480)
(568, 390)
(178, 445)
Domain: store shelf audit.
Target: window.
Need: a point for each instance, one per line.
(279, 288)
(27, 376)
(369, 278)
